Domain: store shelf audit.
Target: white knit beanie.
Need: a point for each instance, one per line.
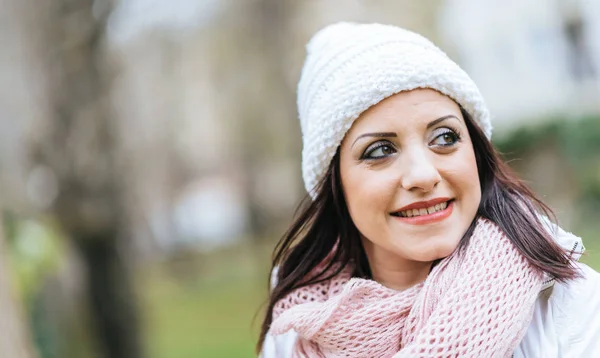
(350, 67)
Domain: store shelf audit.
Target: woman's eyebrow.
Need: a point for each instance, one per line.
(434, 122)
(375, 134)
(392, 134)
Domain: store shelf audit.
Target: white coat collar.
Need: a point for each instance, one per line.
(566, 240)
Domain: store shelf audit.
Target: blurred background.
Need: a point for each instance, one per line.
(150, 153)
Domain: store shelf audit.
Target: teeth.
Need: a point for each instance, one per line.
(425, 211)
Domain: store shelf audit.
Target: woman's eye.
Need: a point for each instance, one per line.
(446, 139)
(379, 151)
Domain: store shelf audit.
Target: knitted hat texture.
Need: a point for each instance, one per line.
(350, 67)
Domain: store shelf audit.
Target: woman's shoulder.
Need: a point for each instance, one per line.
(575, 290)
(279, 346)
(566, 319)
(578, 301)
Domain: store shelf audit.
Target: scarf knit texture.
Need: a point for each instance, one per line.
(474, 303)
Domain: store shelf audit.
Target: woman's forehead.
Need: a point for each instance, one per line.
(407, 109)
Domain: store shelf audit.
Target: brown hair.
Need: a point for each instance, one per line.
(314, 234)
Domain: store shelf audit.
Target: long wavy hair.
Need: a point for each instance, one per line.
(324, 229)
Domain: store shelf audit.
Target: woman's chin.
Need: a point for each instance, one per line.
(434, 252)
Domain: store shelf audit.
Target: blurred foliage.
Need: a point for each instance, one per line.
(35, 251)
(577, 141)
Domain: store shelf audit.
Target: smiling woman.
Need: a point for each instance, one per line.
(416, 240)
(394, 180)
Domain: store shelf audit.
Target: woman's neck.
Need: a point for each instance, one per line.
(395, 273)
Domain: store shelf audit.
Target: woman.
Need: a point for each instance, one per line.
(417, 240)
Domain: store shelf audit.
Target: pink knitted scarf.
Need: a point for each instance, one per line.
(475, 304)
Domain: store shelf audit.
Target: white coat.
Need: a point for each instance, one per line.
(565, 323)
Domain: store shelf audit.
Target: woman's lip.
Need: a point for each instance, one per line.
(424, 204)
(428, 218)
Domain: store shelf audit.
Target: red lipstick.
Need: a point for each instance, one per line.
(427, 218)
(423, 204)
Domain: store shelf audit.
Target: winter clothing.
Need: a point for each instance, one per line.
(351, 67)
(565, 320)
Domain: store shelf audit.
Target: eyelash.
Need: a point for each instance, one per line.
(448, 130)
(377, 145)
(373, 147)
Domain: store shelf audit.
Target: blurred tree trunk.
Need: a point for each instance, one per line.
(79, 145)
(14, 339)
(266, 117)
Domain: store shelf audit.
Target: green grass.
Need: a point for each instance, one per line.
(202, 317)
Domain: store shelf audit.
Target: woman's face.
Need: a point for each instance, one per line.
(410, 178)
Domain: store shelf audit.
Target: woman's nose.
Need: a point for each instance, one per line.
(419, 172)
